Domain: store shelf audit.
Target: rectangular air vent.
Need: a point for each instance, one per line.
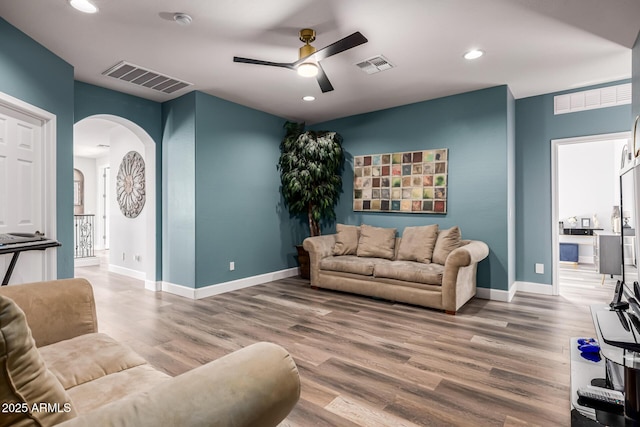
(375, 64)
(591, 99)
(144, 77)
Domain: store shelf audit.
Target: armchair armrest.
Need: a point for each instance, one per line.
(459, 278)
(257, 385)
(56, 310)
(318, 247)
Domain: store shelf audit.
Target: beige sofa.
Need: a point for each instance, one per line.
(421, 272)
(58, 370)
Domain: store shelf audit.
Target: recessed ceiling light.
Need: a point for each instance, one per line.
(473, 54)
(308, 98)
(83, 6)
(182, 18)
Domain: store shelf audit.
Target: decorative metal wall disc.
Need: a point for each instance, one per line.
(130, 184)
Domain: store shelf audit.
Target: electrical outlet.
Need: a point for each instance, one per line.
(539, 268)
(137, 257)
(232, 266)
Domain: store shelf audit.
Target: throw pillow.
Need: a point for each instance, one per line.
(447, 241)
(346, 240)
(376, 242)
(417, 243)
(26, 384)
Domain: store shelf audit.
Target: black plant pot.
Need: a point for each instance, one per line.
(304, 262)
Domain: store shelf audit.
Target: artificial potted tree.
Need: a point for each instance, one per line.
(310, 164)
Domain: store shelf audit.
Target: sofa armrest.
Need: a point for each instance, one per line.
(56, 310)
(471, 253)
(459, 278)
(255, 386)
(318, 247)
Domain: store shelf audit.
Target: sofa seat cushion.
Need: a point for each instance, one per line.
(351, 264)
(97, 393)
(410, 271)
(95, 369)
(88, 357)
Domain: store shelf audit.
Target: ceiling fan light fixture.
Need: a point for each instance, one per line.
(307, 69)
(84, 6)
(473, 54)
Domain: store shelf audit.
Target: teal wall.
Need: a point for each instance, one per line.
(32, 74)
(239, 212)
(222, 193)
(220, 189)
(473, 126)
(536, 126)
(92, 100)
(178, 191)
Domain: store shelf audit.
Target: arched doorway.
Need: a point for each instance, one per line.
(105, 140)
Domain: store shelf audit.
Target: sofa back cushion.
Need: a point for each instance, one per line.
(447, 241)
(417, 243)
(30, 394)
(346, 239)
(376, 242)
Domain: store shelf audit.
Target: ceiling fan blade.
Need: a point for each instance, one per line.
(260, 62)
(355, 39)
(323, 80)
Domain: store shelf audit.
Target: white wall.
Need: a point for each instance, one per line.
(88, 168)
(588, 180)
(127, 236)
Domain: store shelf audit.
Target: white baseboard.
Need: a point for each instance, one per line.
(220, 288)
(135, 274)
(86, 262)
(507, 296)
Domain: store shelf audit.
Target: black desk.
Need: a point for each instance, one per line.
(16, 248)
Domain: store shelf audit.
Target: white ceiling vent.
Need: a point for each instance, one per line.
(375, 64)
(143, 77)
(590, 99)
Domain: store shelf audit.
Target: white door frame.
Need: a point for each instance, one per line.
(48, 184)
(555, 232)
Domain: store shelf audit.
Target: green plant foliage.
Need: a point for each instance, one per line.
(309, 165)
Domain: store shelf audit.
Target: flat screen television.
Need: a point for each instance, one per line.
(629, 199)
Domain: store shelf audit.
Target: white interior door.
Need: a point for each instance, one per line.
(21, 192)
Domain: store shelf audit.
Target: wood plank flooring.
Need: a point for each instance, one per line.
(366, 362)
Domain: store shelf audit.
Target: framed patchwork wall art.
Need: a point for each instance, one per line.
(404, 182)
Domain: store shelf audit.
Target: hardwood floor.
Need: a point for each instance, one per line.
(366, 362)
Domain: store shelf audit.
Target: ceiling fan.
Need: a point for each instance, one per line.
(308, 64)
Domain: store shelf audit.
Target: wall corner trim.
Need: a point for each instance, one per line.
(535, 288)
(152, 285)
(507, 296)
(496, 294)
(220, 288)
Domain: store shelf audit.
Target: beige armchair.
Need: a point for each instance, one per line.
(58, 370)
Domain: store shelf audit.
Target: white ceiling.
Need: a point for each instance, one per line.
(534, 46)
(92, 137)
